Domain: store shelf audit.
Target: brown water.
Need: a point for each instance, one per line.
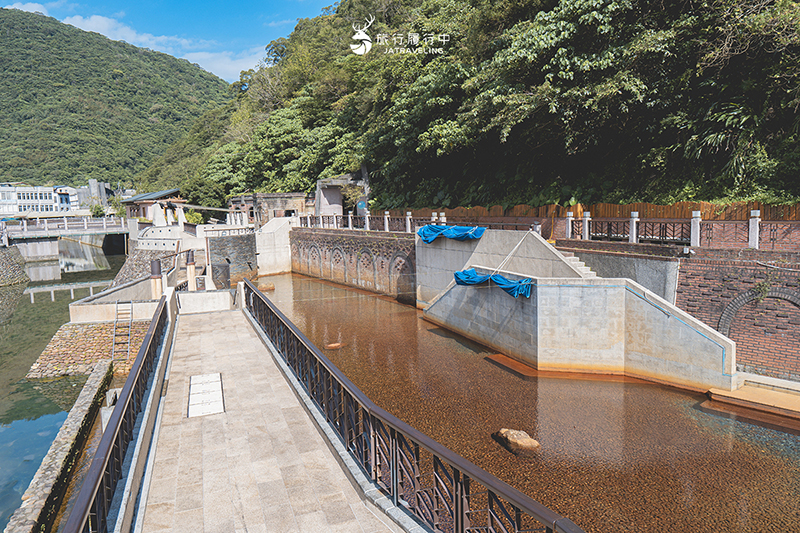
(616, 456)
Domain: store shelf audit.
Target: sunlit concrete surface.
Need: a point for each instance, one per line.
(261, 465)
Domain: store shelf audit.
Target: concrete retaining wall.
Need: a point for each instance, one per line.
(274, 250)
(606, 326)
(436, 262)
(237, 251)
(658, 274)
(204, 301)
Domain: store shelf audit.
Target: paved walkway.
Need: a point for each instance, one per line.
(261, 465)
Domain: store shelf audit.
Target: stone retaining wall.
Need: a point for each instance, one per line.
(376, 261)
(41, 500)
(12, 267)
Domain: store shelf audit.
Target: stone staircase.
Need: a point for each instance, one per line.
(575, 261)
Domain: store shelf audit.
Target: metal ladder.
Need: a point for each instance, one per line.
(123, 325)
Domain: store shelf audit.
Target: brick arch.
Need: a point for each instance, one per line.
(365, 269)
(338, 265)
(729, 313)
(402, 275)
(314, 265)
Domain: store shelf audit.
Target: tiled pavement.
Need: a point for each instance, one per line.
(261, 465)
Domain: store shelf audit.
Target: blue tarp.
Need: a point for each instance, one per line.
(514, 288)
(429, 233)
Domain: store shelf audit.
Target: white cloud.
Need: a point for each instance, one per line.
(117, 31)
(276, 23)
(227, 65)
(30, 7)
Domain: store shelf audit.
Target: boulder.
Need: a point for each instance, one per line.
(516, 441)
(266, 286)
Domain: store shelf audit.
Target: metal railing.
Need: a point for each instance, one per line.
(90, 512)
(442, 489)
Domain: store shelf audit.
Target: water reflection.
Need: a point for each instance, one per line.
(616, 455)
(32, 411)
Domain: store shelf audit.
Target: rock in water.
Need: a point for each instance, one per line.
(335, 345)
(266, 286)
(516, 441)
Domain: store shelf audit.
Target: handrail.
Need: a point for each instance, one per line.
(90, 513)
(386, 447)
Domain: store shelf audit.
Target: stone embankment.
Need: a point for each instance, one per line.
(137, 265)
(12, 267)
(76, 349)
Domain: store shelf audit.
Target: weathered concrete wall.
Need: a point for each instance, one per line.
(376, 261)
(658, 274)
(607, 326)
(436, 262)
(39, 249)
(273, 246)
(238, 251)
(12, 267)
(204, 301)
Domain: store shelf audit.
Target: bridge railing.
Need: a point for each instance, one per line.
(442, 489)
(68, 225)
(90, 512)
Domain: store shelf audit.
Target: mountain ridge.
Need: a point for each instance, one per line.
(76, 105)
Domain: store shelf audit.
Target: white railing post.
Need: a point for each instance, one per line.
(350, 219)
(366, 220)
(433, 217)
(319, 219)
(443, 218)
(45, 225)
(694, 240)
(633, 228)
(568, 232)
(24, 225)
(85, 222)
(386, 221)
(335, 221)
(105, 223)
(65, 224)
(537, 227)
(408, 221)
(587, 218)
(753, 230)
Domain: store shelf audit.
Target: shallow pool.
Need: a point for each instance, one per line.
(620, 455)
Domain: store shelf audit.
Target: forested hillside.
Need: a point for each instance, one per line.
(75, 105)
(532, 101)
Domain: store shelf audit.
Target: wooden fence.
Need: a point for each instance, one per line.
(680, 210)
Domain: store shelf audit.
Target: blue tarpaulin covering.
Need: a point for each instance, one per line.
(514, 288)
(429, 233)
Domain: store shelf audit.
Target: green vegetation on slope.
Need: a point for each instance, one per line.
(534, 101)
(75, 105)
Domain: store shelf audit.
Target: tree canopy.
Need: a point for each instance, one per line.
(530, 101)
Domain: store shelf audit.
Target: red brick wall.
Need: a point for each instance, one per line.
(767, 336)
(767, 332)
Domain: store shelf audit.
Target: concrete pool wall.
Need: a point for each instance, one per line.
(574, 324)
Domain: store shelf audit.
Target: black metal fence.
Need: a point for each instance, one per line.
(90, 513)
(442, 489)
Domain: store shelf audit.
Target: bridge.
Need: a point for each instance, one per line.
(63, 227)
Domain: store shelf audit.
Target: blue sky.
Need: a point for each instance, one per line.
(222, 38)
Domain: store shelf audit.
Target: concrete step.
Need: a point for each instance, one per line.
(579, 265)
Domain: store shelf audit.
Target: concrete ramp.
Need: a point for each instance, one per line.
(604, 326)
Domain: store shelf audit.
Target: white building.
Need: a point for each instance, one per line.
(16, 200)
